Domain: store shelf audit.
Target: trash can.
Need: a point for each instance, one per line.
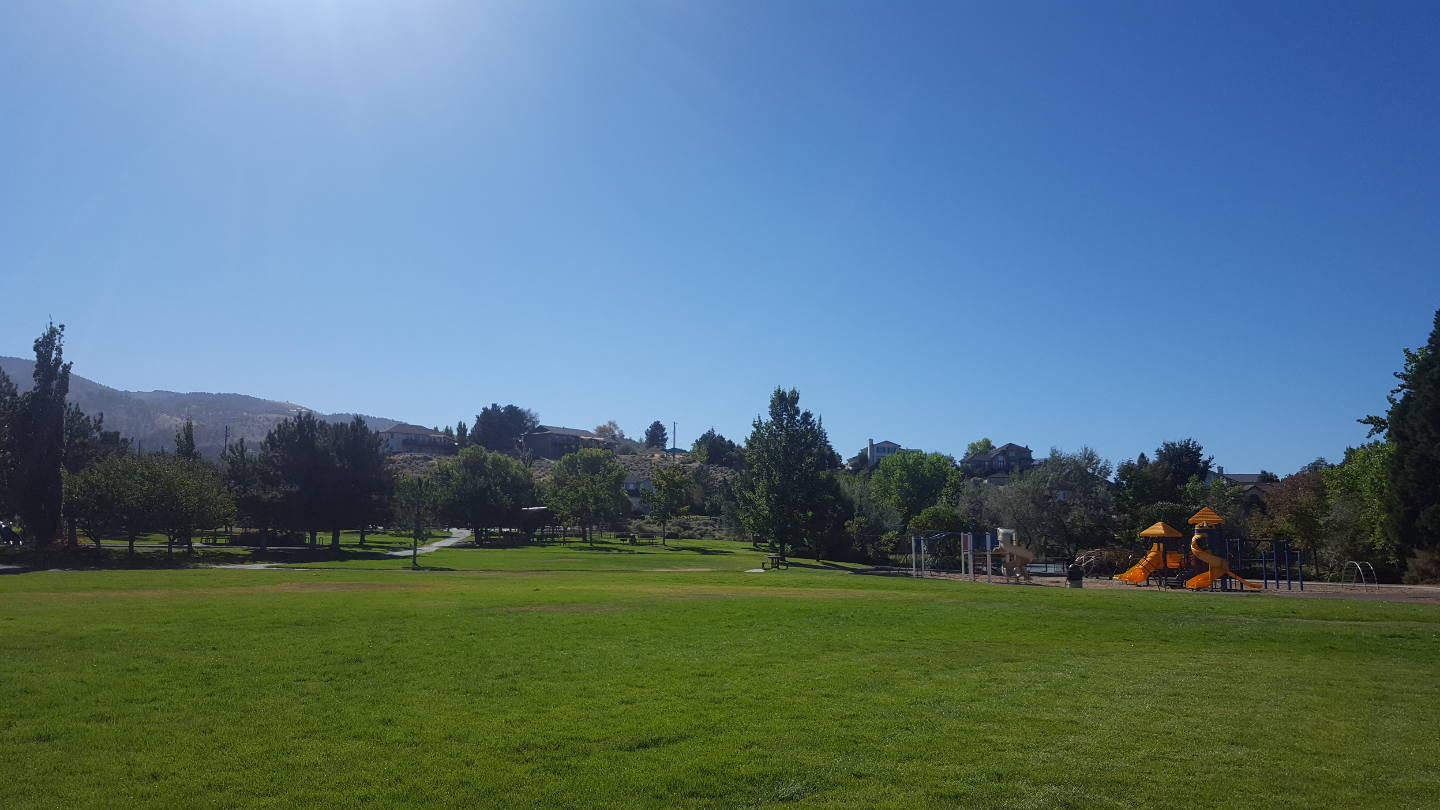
(1074, 577)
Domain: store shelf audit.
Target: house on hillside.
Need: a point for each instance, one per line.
(549, 441)
(997, 465)
(1253, 486)
(876, 452)
(403, 438)
(634, 485)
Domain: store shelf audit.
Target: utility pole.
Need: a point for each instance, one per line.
(674, 440)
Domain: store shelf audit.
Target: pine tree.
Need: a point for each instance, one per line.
(185, 441)
(501, 429)
(1414, 430)
(792, 498)
(38, 440)
(656, 435)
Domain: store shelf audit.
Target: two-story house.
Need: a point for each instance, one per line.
(997, 465)
(403, 438)
(876, 452)
(549, 441)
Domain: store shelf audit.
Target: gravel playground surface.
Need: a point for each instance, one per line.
(1420, 594)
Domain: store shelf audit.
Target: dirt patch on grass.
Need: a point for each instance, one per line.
(551, 609)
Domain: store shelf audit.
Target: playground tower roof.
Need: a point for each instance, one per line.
(1206, 515)
(1161, 529)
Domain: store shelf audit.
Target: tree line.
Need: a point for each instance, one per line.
(61, 472)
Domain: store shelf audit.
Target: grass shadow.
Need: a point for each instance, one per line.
(699, 550)
(89, 558)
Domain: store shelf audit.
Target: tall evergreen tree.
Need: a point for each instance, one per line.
(500, 429)
(38, 440)
(9, 406)
(791, 498)
(713, 448)
(656, 435)
(255, 500)
(1414, 468)
(185, 441)
(1182, 461)
(297, 464)
(362, 483)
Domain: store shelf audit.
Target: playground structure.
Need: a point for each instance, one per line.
(1362, 574)
(1210, 559)
(996, 553)
(1207, 527)
(1017, 558)
(1159, 560)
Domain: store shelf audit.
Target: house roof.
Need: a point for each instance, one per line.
(887, 442)
(1242, 478)
(564, 431)
(1006, 448)
(412, 429)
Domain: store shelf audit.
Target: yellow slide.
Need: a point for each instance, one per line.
(1149, 564)
(1219, 568)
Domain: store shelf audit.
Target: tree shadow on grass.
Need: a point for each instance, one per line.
(89, 558)
(823, 565)
(699, 550)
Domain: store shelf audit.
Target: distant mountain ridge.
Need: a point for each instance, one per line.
(150, 418)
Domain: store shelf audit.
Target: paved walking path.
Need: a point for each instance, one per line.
(456, 535)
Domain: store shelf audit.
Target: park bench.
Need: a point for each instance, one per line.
(774, 561)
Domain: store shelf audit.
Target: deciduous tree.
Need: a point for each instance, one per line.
(610, 430)
(1358, 489)
(982, 446)
(911, 480)
(184, 496)
(1297, 509)
(587, 488)
(1063, 502)
(480, 490)
(415, 508)
(670, 492)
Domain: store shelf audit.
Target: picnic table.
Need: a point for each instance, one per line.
(775, 561)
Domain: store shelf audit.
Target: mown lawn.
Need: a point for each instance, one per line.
(522, 679)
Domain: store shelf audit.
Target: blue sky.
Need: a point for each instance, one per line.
(1047, 223)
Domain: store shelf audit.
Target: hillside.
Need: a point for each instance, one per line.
(152, 417)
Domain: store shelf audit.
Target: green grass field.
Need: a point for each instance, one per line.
(571, 677)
